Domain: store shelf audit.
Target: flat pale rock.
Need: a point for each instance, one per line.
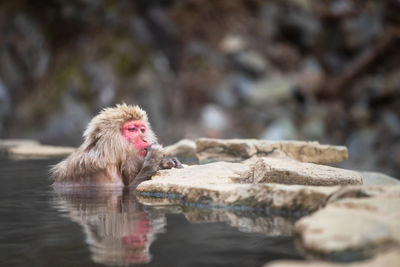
(209, 150)
(38, 151)
(7, 143)
(286, 171)
(364, 226)
(387, 259)
(214, 184)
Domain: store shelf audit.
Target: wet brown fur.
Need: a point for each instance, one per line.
(106, 157)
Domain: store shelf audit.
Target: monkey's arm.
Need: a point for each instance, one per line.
(153, 162)
(150, 166)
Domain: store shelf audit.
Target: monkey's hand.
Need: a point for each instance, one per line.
(170, 163)
(151, 164)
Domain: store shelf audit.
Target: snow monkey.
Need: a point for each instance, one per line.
(119, 149)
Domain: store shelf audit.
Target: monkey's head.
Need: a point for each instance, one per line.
(116, 132)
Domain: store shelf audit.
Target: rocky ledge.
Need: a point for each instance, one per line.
(352, 216)
(208, 149)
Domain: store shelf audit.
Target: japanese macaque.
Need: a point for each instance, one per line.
(119, 149)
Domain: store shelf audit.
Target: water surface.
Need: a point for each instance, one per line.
(43, 227)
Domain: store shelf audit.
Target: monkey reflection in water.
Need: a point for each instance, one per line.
(119, 230)
(119, 149)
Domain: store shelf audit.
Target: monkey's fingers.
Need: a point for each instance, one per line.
(171, 163)
(178, 164)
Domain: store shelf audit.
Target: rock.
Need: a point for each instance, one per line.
(388, 259)
(8, 143)
(214, 184)
(272, 90)
(232, 44)
(364, 191)
(283, 171)
(38, 151)
(209, 149)
(185, 150)
(376, 178)
(353, 228)
(251, 62)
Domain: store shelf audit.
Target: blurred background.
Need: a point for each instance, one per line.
(294, 69)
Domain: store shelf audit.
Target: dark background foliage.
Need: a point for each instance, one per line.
(294, 69)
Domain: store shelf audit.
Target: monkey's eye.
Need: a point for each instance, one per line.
(143, 129)
(132, 129)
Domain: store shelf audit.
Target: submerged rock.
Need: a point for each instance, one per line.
(238, 149)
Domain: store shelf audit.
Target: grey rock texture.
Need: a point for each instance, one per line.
(238, 149)
(283, 171)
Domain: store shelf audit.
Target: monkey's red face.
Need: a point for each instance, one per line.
(135, 133)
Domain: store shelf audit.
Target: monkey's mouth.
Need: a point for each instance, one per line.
(144, 151)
